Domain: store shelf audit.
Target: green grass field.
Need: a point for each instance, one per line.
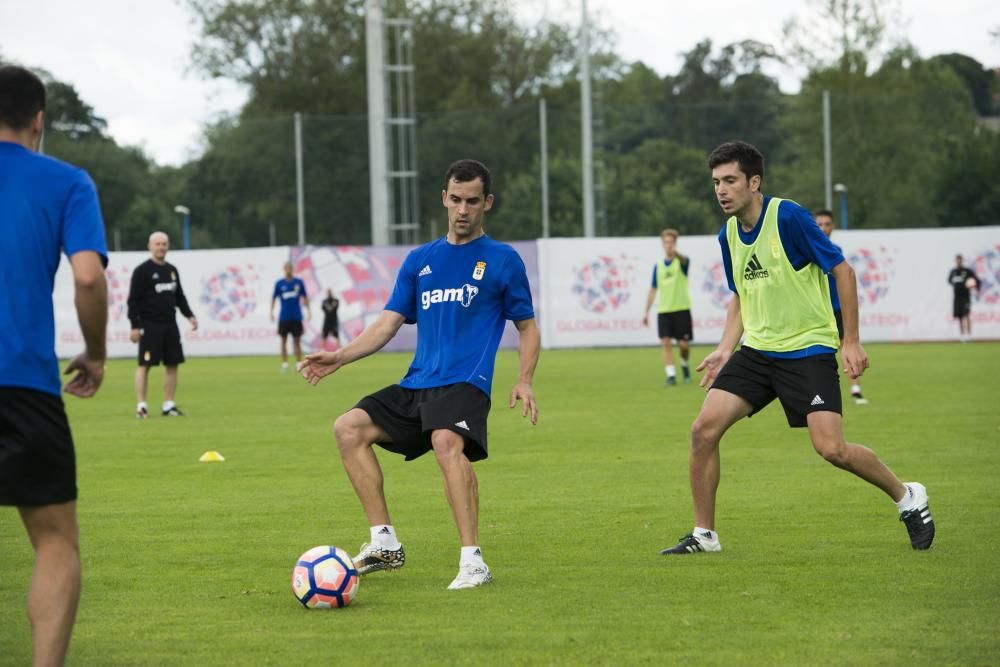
(189, 564)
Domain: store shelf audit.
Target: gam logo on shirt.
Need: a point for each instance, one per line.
(464, 295)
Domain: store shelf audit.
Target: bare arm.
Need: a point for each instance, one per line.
(92, 312)
(854, 356)
(528, 351)
(318, 365)
(649, 302)
(732, 331)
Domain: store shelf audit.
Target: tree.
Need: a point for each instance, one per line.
(849, 34)
(980, 81)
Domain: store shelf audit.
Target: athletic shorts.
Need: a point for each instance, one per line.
(37, 462)
(810, 384)
(961, 308)
(331, 329)
(409, 416)
(293, 327)
(676, 325)
(160, 342)
(837, 315)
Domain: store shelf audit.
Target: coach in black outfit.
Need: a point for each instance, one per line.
(154, 295)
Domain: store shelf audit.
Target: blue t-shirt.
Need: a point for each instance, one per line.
(46, 206)
(290, 293)
(460, 297)
(803, 241)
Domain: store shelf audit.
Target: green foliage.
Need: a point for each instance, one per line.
(187, 563)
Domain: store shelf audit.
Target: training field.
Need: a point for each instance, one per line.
(189, 564)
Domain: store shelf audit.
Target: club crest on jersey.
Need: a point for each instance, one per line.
(464, 295)
(775, 248)
(480, 269)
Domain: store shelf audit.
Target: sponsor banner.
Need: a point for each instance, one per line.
(230, 292)
(594, 290)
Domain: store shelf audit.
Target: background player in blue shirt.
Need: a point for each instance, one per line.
(460, 291)
(824, 218)
(46, 207)
(291, 292)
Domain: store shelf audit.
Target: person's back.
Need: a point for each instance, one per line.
(37, 194)
(45, 207)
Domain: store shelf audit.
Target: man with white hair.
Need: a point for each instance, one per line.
(153, 297)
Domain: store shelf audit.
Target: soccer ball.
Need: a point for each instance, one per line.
(324, 578)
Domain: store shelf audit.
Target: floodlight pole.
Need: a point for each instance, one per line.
(186, 225)
(378, 169)
(586, 121)
(299, 179)
(827, 152)
(543, 135)
(841, 189)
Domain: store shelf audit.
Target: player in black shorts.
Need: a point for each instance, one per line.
(460, 291)
(670, 290)
(331, 323)
(776, 259)
(46, 207)
(963, 281)
(154, 296)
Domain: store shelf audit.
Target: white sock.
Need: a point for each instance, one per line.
(471, 556)
(167, 405)
(855, 388)
(684, 362)
(906, 501)
(384, 536)
(671, 371)
(711, 535)
(141, 405)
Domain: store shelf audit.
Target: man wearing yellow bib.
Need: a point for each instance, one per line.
(776, 260)
(670, 290)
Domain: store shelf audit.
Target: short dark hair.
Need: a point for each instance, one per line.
(464, 171)
(823, 211)
(22, 96)
(749, 158)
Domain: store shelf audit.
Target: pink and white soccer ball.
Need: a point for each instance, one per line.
(325, 578)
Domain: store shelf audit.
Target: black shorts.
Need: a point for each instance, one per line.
(37, 462)
(293, 327)
(676, 325)
(810, 384)
(961, 308)
(409, 416)
(331, 329)
(837, 315)
(160, 342)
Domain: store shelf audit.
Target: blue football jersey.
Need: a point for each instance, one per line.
(460, 297)
(46, 207)
(289, 292)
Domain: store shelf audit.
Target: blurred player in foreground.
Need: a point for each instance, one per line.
(460, 290)
(46, 207)
(775, 257)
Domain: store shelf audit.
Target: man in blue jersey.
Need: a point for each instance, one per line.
(824, 218)
(776, 258)
(46, 206)
(459, 290)
(291, 292)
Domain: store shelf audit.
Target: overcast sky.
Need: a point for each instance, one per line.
(129, 58)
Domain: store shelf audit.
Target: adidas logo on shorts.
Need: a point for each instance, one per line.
(818, 401)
